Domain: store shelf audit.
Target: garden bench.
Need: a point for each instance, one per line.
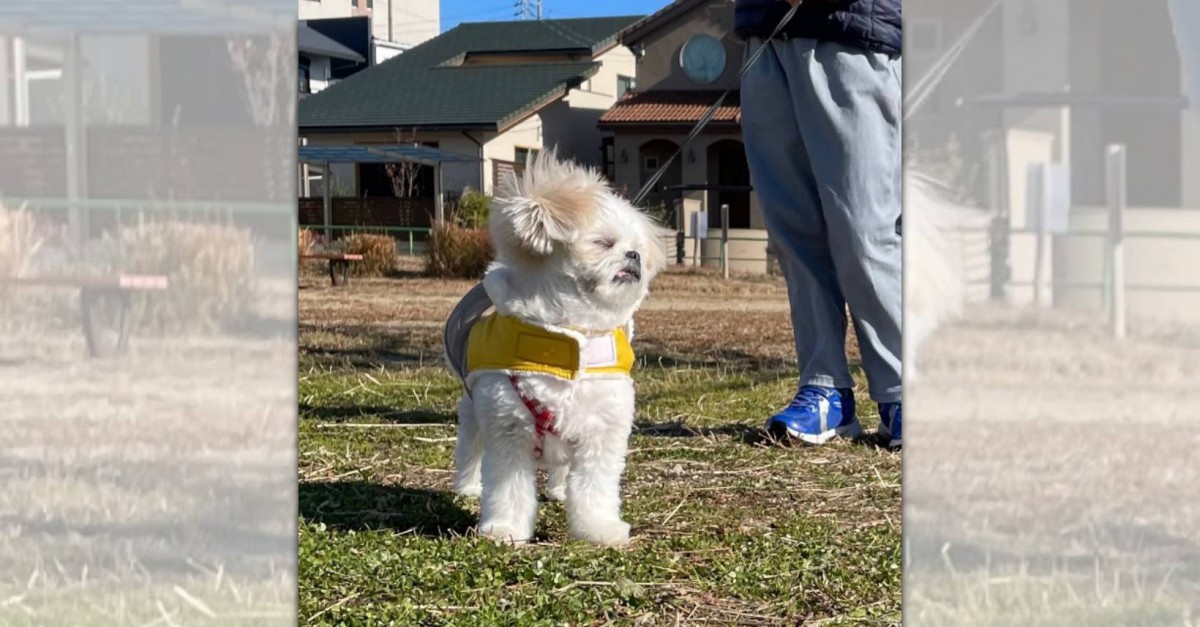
(93, 291)
(339, 265)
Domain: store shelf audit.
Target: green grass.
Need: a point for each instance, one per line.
(727, 528)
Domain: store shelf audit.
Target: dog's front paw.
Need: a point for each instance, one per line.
(556, 493)
(504, 533)
(612, 533)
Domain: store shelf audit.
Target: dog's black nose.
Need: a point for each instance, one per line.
(633, 256)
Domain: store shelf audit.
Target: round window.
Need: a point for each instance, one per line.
(703, 59)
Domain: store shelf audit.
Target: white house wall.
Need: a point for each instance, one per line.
(319, 71)
(412, 21)
(526, 134)
(6, 80)
(573, 123)
(318, 9)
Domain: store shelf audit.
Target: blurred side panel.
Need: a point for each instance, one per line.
(1052, 312)
(147, 312)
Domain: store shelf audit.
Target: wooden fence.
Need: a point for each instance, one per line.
(351, 211)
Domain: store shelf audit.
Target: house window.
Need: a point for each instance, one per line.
(370, 4)
(523, 154)
(652, 163)
(305, 85)
(608, 157)
(624, 84)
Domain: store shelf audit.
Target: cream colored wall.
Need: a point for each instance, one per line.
(659, 67)
(527, 134)
(413, 21)
(6, 81)
(1025, 148)
(317, 9)
(747, 250)
(1148, 261)
(572, 123)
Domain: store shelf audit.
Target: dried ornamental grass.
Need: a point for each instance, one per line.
(307, 241)
(458, 253)
(19, 241)
(378, 251)
(210, 269)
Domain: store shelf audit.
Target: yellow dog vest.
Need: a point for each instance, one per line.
(506, 344)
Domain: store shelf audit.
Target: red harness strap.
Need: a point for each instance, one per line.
(543, 418)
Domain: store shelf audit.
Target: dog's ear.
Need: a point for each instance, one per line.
(553, 202)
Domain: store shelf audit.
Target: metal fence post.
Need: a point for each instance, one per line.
(327, 200)
(679, 228)
(998, 244)
(1038, 189)
(1116, 193)
(725, 240)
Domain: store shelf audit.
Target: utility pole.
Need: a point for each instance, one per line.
(527, 9)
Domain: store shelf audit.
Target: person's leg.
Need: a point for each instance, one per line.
(848, 104)
(783, 180)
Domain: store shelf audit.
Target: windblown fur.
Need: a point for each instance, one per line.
(934, 277)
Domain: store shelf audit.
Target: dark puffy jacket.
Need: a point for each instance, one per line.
(869, 24)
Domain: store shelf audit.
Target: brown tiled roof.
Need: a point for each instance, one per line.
(672, 107)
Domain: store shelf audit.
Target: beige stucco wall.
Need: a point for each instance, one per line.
(572, 123)
(747, 250)
(659, 67)
(412, 21)
(317, 9)
(1148, 261)
(527, 134)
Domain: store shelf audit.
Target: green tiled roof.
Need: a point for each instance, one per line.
(423, 87)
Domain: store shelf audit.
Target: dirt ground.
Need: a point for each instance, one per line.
(147, 488)
(1051, 474)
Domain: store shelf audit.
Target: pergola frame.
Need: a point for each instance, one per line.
(325, 155)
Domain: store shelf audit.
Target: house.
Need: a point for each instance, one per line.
(687, 56)
(493, 91)
(320, 55)
(395, 24)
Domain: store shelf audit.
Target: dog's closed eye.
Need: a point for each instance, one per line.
(605, 242)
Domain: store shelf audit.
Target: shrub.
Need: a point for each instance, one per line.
(378, 251)
(19, 241)
(307, 242)
(210, 269)
(473, 209)
(458, 253)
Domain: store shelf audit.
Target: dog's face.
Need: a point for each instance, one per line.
(570, 250)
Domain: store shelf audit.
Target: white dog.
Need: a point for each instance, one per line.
(934, 277)
(547, 374)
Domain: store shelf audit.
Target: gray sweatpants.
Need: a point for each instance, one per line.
(822, 129)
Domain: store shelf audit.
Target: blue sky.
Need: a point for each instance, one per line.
(456, 11)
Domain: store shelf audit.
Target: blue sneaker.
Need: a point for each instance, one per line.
(816, 416)
(889, 423)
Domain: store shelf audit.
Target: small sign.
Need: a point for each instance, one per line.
(700, 225)
(1049, 197)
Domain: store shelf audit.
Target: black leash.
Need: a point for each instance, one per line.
(712, 111)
